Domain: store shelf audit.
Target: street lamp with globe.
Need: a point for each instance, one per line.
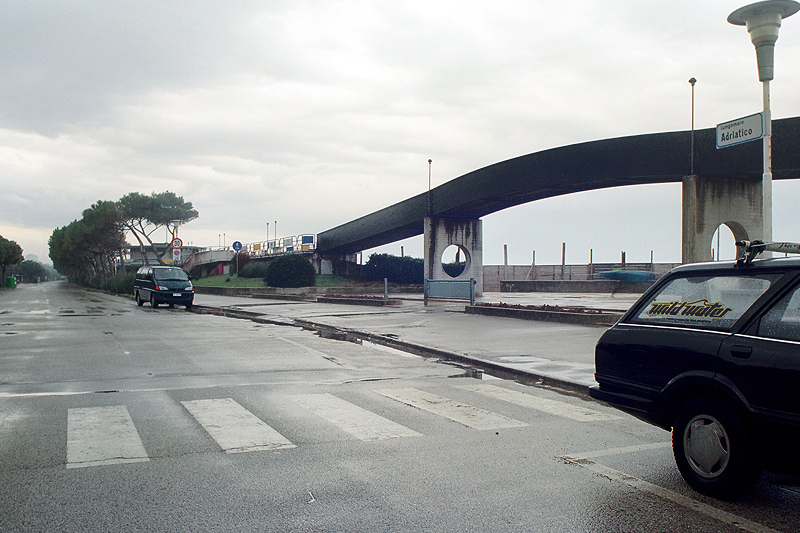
(763, 21)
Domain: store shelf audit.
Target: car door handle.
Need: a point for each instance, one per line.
(741, 352)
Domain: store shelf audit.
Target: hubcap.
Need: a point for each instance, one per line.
(706, 446)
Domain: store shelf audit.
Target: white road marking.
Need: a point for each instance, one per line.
(102, 436)
(626, 449)
(553, 407)
(314, 351)
(362, 424)
(467, 415)
(665, 494)
(582, 373)
(234, 428)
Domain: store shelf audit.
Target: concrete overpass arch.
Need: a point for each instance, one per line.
(725, 189)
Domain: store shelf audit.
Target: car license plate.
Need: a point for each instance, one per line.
(176, 294)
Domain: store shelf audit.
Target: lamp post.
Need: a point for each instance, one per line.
(763, 21)
(692, 81)
(430, 207)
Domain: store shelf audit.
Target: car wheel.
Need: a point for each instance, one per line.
(139, 300)
(188, 306)
(713, 449)
(153, 302)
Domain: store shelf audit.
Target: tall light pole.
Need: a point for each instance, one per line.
(763, 21)
(430, 206)
(692, 81)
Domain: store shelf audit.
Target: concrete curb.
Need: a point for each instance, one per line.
(354, 300)
(328, 331)
(600, 319)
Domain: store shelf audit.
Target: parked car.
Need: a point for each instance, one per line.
(163, 284)
(712, 352)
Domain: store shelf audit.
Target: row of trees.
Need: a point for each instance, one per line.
(92, 247)
(33, 272)
(10, 254)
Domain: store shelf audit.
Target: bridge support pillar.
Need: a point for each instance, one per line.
(467, 234)
(711, 202)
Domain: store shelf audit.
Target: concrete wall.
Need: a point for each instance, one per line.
(494, 274)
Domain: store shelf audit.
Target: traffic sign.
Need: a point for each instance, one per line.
(237, 246)
(741, 130)
(177, 243)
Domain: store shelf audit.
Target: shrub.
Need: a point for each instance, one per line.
(290, 271)
(120, 284)
(453, 269)
(243, 260)
(254, 269)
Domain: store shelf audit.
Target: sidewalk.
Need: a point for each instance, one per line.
(557, 354)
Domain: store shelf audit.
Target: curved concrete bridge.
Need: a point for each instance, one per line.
(725, 189)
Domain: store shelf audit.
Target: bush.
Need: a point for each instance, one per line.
(290, 271)
(254, 269)
(120, 284)
(395, 269)
(454, 269)
(243, 260)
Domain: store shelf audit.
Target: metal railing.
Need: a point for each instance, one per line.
(450, 289)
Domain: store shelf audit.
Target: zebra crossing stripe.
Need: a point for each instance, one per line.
(467, 415)
(553, 407)
(99, 436)
(234, 428)
(362, 424)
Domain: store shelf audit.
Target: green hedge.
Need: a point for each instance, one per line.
(408, 270)
(290, 271)
(120, 284)
(254, 269)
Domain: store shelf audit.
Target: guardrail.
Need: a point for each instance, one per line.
(450, 289)
(284, 245)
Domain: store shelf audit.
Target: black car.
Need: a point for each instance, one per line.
(712, 352)
(163, 284)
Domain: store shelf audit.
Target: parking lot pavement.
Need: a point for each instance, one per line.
(548, 352)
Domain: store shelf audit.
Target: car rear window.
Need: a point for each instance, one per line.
(706, 301)
(175, 274)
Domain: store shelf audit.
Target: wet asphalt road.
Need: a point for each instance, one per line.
(114, 417)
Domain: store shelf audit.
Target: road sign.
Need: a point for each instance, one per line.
(176, 255)
(177, 243)
(741, 130)
(237, 246)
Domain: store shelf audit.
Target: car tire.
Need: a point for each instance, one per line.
(713, 449)
(138, 299)
(153, 302)
(188, 306)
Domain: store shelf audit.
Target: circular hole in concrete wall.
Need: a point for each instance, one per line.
(454, 260)
(723, 244)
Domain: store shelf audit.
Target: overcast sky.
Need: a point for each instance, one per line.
(313, 113)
